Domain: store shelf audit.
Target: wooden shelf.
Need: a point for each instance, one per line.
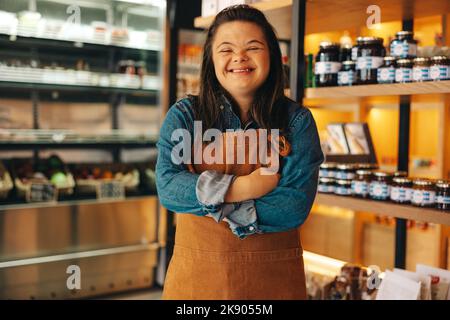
(385, 208)
(326, 15)
(431, 87)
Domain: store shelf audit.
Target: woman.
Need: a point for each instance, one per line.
(241, 88)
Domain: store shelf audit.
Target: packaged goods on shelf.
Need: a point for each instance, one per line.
(6, 183)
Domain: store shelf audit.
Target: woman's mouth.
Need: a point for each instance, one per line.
(241, 70)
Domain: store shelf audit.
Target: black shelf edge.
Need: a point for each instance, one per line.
(75, 145)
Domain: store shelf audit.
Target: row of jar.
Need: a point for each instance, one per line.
(366, 63)
(384, 186)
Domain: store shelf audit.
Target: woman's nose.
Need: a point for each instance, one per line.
(240, 57)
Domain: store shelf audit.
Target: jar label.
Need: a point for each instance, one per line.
(326, 188)
(354, 53)
(360, 187)
(400, 194)
(421, 74)
(327, 173)
(403, 75)
(327, 67)
(369, 62)
(423, 197)
(440, 72)
(343, 191)
(379, 190)
(443, 200)
(346, 77)
(386, 74)
(345, 175)
(403, 49)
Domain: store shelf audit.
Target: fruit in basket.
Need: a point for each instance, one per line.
(59, 179)
(107, 174)
(96, 173)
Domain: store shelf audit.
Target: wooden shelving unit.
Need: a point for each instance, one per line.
(385, 208)
(413, 88)
(325, 15)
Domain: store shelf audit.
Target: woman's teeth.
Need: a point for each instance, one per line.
(241, 70)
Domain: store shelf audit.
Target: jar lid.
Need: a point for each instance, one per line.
(346, 46)
(329, 45)
(402, 180)
(404, 61)
(344, 182)
(328, 165)
(443, 184)
(372, 40)
(346, 166)
(364, 172)
(421, 59)
(389, 58)
(404, 33)
(348, 63)
(400, 174)
(382, 174)
(326, 180)
(439, 59)
(423, 182)
(359, 40)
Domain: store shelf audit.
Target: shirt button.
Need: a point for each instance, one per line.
(251, 228)
(221, 107)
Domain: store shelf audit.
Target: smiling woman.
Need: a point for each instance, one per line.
(237, 231)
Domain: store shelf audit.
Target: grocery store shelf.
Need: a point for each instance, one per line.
(69, 202)
(35, 78)
(414, 88)
(326, 15)
(384, 208)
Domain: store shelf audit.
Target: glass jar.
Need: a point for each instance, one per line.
(326, 185)
(355, 48)
(361, 183)
(327, 170)
(345, 171)
(345, 53)
(343, 187)
(421, 69)
(386, 72)
(327, 64)
(439, 68)
(370, 58)
(424, 194)
(401, 190)
(404, 45)
(379, 188)
(403, 72)
(443, 195)
(347, 76)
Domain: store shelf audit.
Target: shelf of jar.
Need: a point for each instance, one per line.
(325, 15)
(412, 88)
(385, 208)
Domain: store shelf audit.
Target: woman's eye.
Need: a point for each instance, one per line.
(225, 50)
(253, 48)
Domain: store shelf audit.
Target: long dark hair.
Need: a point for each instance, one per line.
(267, 108)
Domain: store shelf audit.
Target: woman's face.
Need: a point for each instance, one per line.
(241, 57)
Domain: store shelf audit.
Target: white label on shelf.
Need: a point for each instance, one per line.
(325, 188)
(360, 187)
(323, 173)
(386, 74)
(110, 190)
(344, 191)
(346, 77)
(379, 190)
(401, 194)
(440, 72)
(403, 49)
(421, 73)
(327, 67)
(369, 62)
(41, 192)
(403, 74)
(422, 197)
(443, 200)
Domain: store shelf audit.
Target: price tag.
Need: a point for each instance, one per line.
(110, 190)
(42, 192)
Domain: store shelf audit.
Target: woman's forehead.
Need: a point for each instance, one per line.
(238, 32)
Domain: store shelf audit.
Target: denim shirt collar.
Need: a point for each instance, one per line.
(231, 119)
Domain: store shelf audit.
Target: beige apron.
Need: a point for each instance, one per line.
(209, 262)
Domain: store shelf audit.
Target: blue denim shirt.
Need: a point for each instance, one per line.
(284, 208)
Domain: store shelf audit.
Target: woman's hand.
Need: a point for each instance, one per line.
(252, 186)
